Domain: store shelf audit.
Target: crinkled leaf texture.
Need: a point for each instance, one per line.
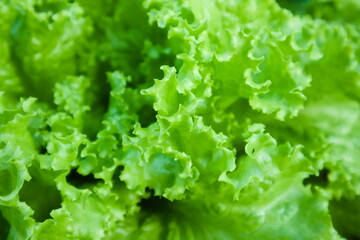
(180, 119)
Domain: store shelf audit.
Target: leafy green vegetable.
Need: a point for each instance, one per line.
(179, 119)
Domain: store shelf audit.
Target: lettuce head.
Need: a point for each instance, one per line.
(179, 119)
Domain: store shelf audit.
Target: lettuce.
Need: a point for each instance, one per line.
(179, 119)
